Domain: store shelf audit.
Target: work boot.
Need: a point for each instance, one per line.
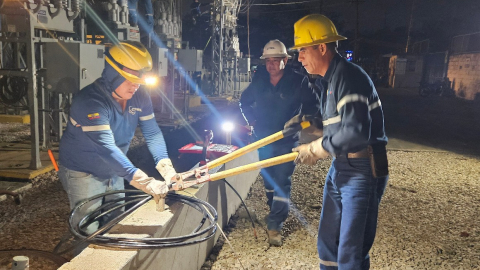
(274, 238)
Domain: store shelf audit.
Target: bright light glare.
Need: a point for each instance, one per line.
(228, 126)
(151, 80)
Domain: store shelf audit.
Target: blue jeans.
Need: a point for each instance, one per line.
(348, 221)
(80, 186)
(278, 181)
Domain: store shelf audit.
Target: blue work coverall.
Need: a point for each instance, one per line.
(267, 108)
(352, 120)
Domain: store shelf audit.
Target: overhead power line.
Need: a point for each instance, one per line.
(288, 10)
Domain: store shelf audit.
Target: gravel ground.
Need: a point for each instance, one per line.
(428, 217)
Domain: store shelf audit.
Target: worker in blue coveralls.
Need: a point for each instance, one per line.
(354, 134)
(273, 97)
(102, 122)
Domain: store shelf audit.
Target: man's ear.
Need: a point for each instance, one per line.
(322, 48)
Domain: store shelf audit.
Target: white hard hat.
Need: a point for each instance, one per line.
(274, 48)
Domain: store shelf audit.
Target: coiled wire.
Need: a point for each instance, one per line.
(12, 89)
(138, 199)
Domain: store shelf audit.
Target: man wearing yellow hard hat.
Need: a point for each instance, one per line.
(102, 121)
(354, 134)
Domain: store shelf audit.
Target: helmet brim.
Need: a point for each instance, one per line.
(320, 41)
(130, 77)
(275, 56)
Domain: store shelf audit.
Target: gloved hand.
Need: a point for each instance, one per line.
(166, 170)
(310, 153)
(158, 189)
(297, 119)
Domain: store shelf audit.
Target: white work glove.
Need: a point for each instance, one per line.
(310, 153)
(166, 170)
(158, 189)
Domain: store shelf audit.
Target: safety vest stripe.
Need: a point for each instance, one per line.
(351, 98)
(328, 263)
(95, 128)
(269, 190)
(332, 120)
(280, 199)
(148, 117)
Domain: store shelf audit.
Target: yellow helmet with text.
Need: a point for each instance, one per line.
(131, 55)
(314, 29)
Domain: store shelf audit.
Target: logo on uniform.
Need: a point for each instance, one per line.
(93, 116)
(133, 111)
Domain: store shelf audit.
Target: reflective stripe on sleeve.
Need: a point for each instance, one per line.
(148, 117)
(374, 105)
(269, 190)
(351, 98)
(332, 120)
(74, 123)
(95, 128)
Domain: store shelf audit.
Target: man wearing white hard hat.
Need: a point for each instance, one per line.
(275, 95)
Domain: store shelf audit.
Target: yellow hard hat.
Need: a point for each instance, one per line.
(132, 55)
(314, 29)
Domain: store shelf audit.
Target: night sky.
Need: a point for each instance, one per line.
(380, 20)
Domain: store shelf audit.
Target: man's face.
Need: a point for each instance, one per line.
(127, 89)
(274, 65)
(311, 58)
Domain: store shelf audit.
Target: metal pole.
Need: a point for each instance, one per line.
(35, 162)
(410, 27)
(220, 43)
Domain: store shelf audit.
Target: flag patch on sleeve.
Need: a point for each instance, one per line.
(93, 116)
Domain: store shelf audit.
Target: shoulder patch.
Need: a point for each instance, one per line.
(93, 116)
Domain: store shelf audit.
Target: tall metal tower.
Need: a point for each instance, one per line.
(225, 45)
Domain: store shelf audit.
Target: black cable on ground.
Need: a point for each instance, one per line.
(246, 209)
(138, 199)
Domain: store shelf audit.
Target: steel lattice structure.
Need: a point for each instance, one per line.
(225, 45)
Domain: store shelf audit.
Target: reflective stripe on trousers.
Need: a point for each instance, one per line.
(348, 220)
(277, 179)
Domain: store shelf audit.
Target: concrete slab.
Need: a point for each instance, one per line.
(100, 258)
(178, 220)
(15, 161)
(7, 118)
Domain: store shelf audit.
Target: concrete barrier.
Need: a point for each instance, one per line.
(176, 221)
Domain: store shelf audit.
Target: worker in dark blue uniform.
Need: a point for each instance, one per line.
(273, 97)
(102, 122)
(354, 134)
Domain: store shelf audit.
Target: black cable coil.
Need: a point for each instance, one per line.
(12, 89)
(138, 199)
